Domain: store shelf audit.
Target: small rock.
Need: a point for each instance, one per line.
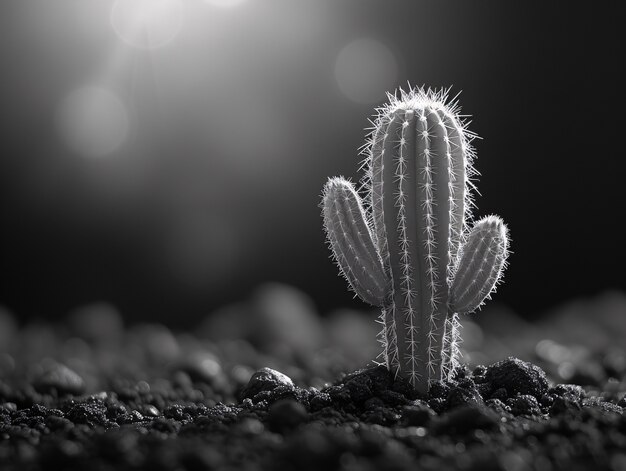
(463, 393)
(524, 404)
(150, 411)
(320, 400)
(546, 400)
(517, 377)
(339, 395)
(175, 411)
(286, 414)
(157, 341)
(90, 413)
(202, 366)
(359, 388)
(569, 389)
(130, 418)
(56, 376)
(479, 370)
(8, 406)
(266, 379)
(438, 390)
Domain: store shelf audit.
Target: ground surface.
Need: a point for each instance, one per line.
(90, 393)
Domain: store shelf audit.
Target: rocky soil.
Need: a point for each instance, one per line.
(91, 393)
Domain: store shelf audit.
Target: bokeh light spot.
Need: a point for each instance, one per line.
(93, 122)
(365, 69)
(147, 24)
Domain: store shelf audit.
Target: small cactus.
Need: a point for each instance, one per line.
(406, 246)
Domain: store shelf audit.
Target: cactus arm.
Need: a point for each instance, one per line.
(481, 266)
(351, 241)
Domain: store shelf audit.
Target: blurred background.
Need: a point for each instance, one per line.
(167, 156)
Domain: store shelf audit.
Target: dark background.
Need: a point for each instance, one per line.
(236, 124)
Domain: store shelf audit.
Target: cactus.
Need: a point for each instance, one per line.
(406, 246)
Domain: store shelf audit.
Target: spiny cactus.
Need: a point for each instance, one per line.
(407, 246)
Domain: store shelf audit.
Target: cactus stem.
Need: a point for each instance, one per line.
(409, 247)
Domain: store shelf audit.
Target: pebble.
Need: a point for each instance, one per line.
(464, 393)
(517, 377)
(569, 389)
(56, 376)
(265, 379)
(202, 367)
(90, 413)
(150, 411)
(524, 404)
(131, 417)
(359, 388)
(320, 400)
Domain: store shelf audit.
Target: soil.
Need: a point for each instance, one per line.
(145, 398)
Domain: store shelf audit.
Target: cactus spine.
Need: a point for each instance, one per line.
(406, 247)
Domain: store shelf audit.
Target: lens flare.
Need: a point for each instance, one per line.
(364, 69)
(147, 24)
